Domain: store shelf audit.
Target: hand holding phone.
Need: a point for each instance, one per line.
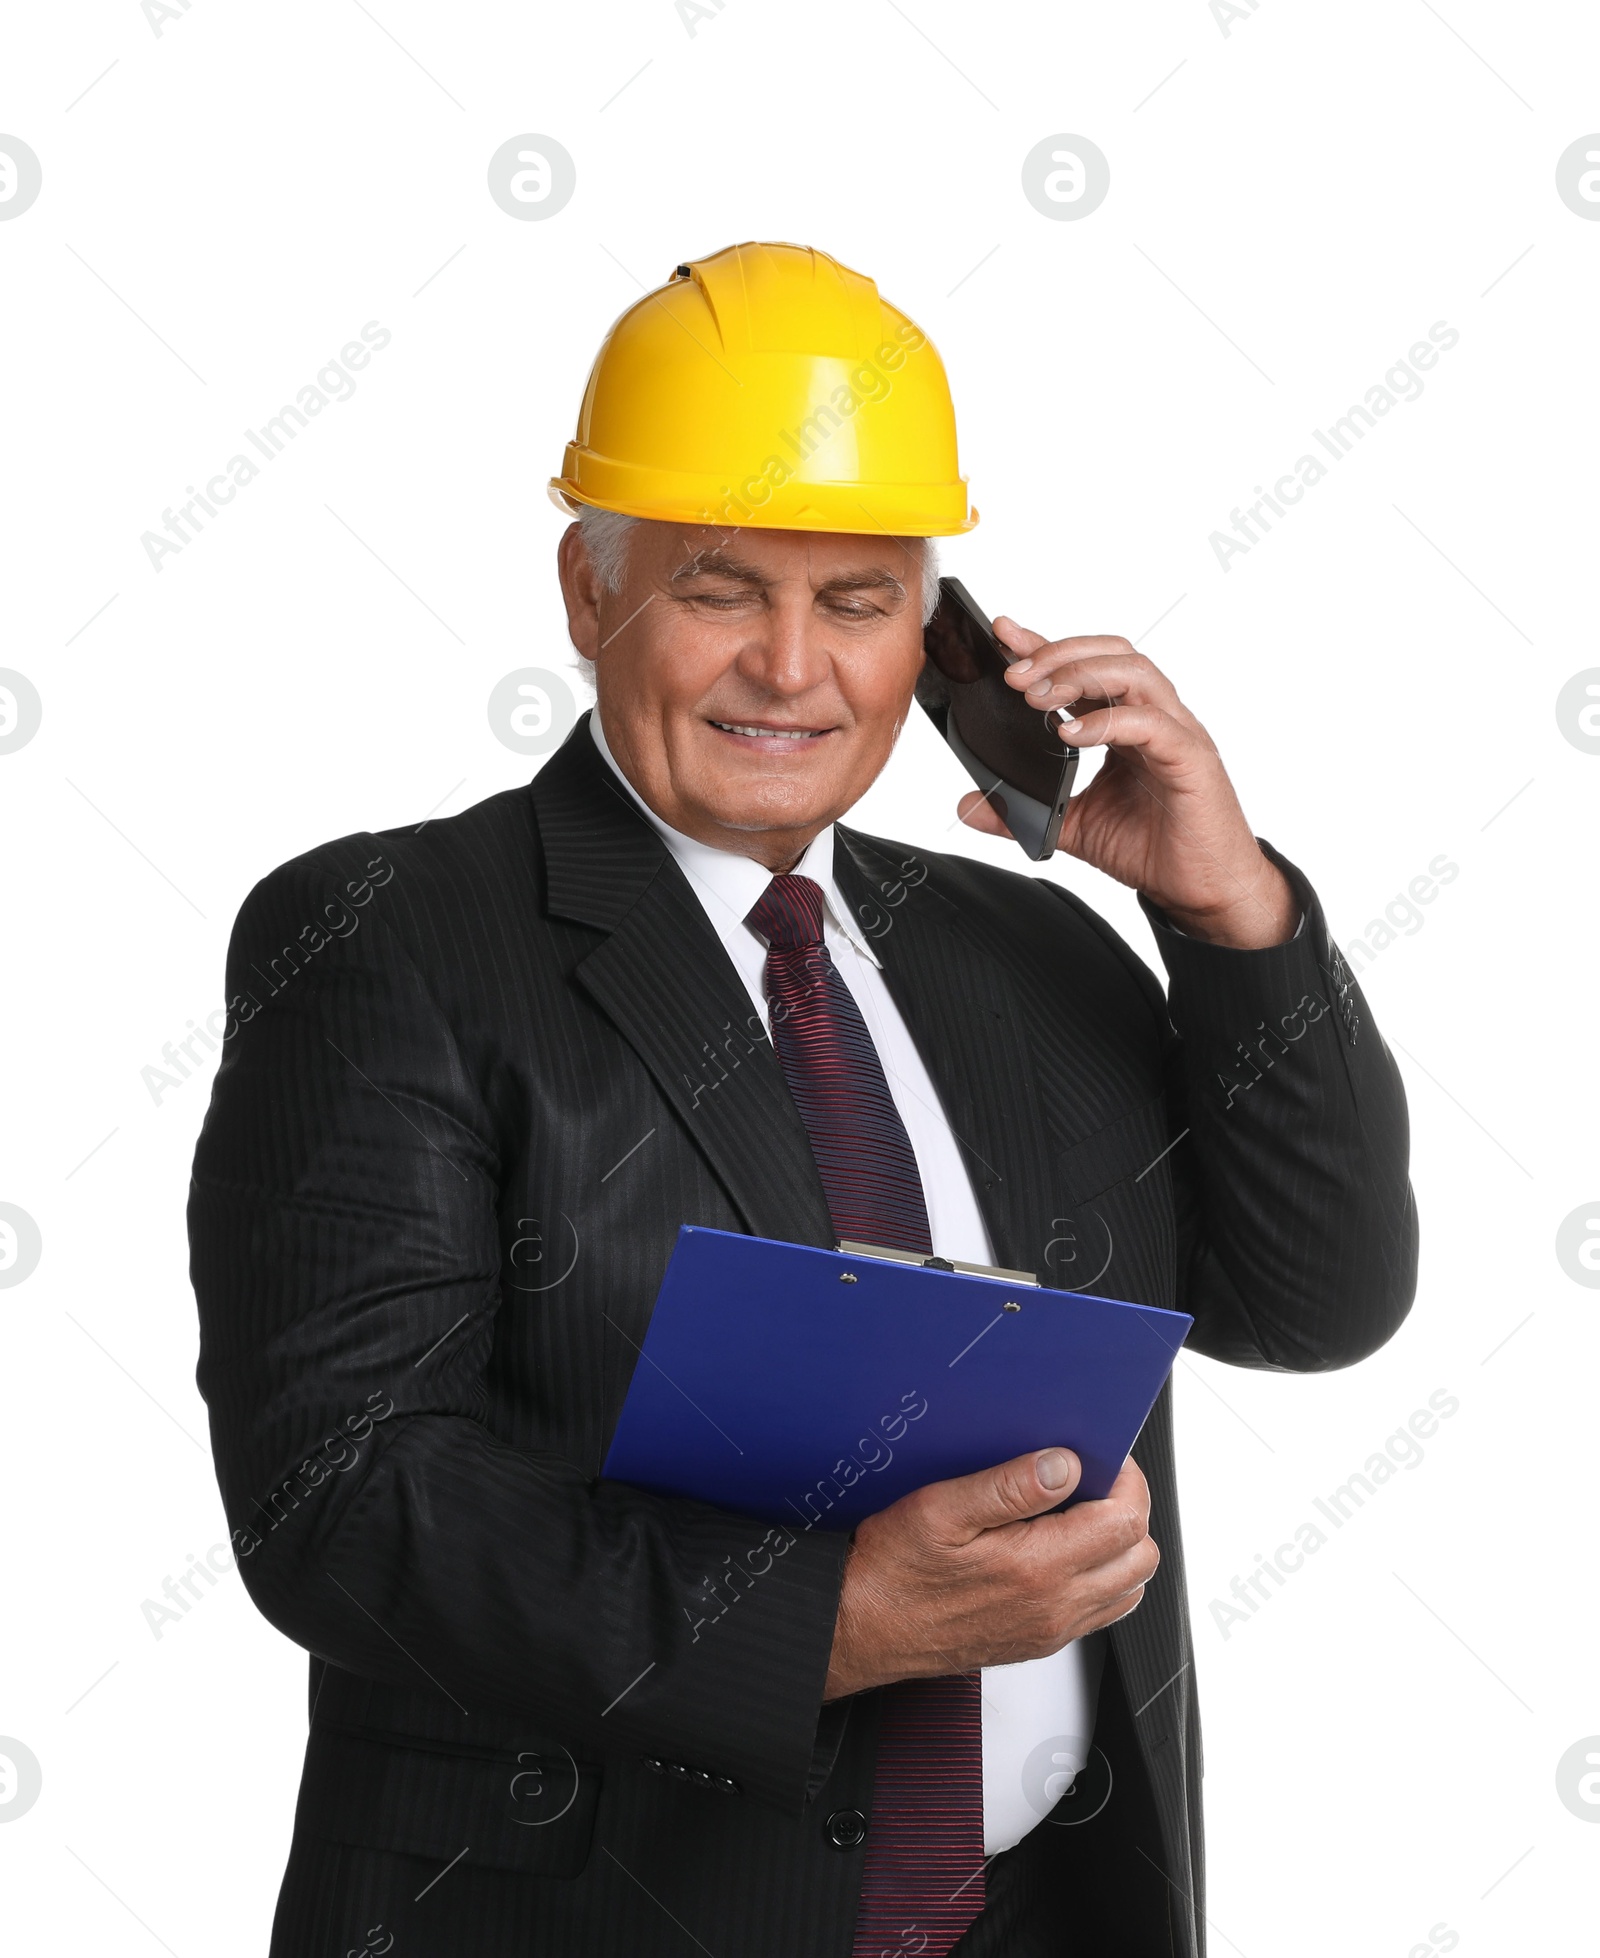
(1161, 816)
(1009, 748)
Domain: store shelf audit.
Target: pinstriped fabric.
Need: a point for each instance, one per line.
(924, 1863)
(447, 1153)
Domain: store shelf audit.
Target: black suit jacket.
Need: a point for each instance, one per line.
(476, 1076)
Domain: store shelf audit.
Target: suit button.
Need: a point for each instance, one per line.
(846, 1828)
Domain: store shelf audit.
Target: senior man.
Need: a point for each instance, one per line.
(450, 1147)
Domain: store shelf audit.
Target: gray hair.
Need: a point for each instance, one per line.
(605, 535)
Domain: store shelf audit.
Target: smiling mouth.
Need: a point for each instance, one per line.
(757, 732)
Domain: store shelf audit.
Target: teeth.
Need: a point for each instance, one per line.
(767, 733)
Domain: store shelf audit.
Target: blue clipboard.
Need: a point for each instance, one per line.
(814, 1387)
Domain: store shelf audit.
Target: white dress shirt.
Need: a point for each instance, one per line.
(1039, 1700)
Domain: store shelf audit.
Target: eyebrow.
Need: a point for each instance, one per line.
(884, 581)
(719, 564)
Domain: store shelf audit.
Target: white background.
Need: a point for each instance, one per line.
(1301, 199)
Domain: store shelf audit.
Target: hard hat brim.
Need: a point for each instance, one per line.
(853, 509)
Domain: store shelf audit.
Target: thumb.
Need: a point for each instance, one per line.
(966, 1506)
(985, 812)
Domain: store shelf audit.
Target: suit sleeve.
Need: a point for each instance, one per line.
(345, 1258)
(1297, 1229)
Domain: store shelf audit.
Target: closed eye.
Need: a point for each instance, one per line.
(731, 601)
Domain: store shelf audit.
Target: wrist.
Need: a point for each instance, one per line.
(1267, 914)
(843, 1672)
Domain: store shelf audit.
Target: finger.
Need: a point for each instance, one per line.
(1023, 640)
(1092, 669)
(1018, 638)
(1097, 1533)
(1121, 1606)
(985, 812)
(1033, 647)
(964, 1507)
(1131, 1491)
(1101, 1587)
(1157, 736)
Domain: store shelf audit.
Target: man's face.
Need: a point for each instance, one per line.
(751, 682)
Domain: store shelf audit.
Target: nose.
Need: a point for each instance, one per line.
(787, 653)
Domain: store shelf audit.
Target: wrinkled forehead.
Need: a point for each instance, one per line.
(820, 559)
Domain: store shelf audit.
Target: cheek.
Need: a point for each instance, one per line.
(877, 680)
(654, 702)
(655, 671)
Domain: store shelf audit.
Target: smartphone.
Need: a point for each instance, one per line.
(1010, 749)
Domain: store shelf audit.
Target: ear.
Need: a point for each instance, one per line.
(580, 590)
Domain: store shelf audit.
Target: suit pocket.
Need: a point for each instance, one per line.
(1128, 1146)
(1118, 1234)
(530, 1810)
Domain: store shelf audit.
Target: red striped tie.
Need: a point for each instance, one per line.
(923, 1879)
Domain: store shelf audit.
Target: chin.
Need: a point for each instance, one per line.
(772, 811)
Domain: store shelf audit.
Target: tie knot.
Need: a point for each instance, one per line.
(788, 914)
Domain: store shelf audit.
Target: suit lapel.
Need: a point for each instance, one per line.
(970, 1027)
(660, 974)
(662, 977)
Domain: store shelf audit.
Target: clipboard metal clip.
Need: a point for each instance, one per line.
(852, 1249)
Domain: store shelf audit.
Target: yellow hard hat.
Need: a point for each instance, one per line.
(769, 386)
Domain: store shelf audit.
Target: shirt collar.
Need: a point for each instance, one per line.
(731, 885)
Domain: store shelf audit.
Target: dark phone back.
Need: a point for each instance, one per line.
(996, 723)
